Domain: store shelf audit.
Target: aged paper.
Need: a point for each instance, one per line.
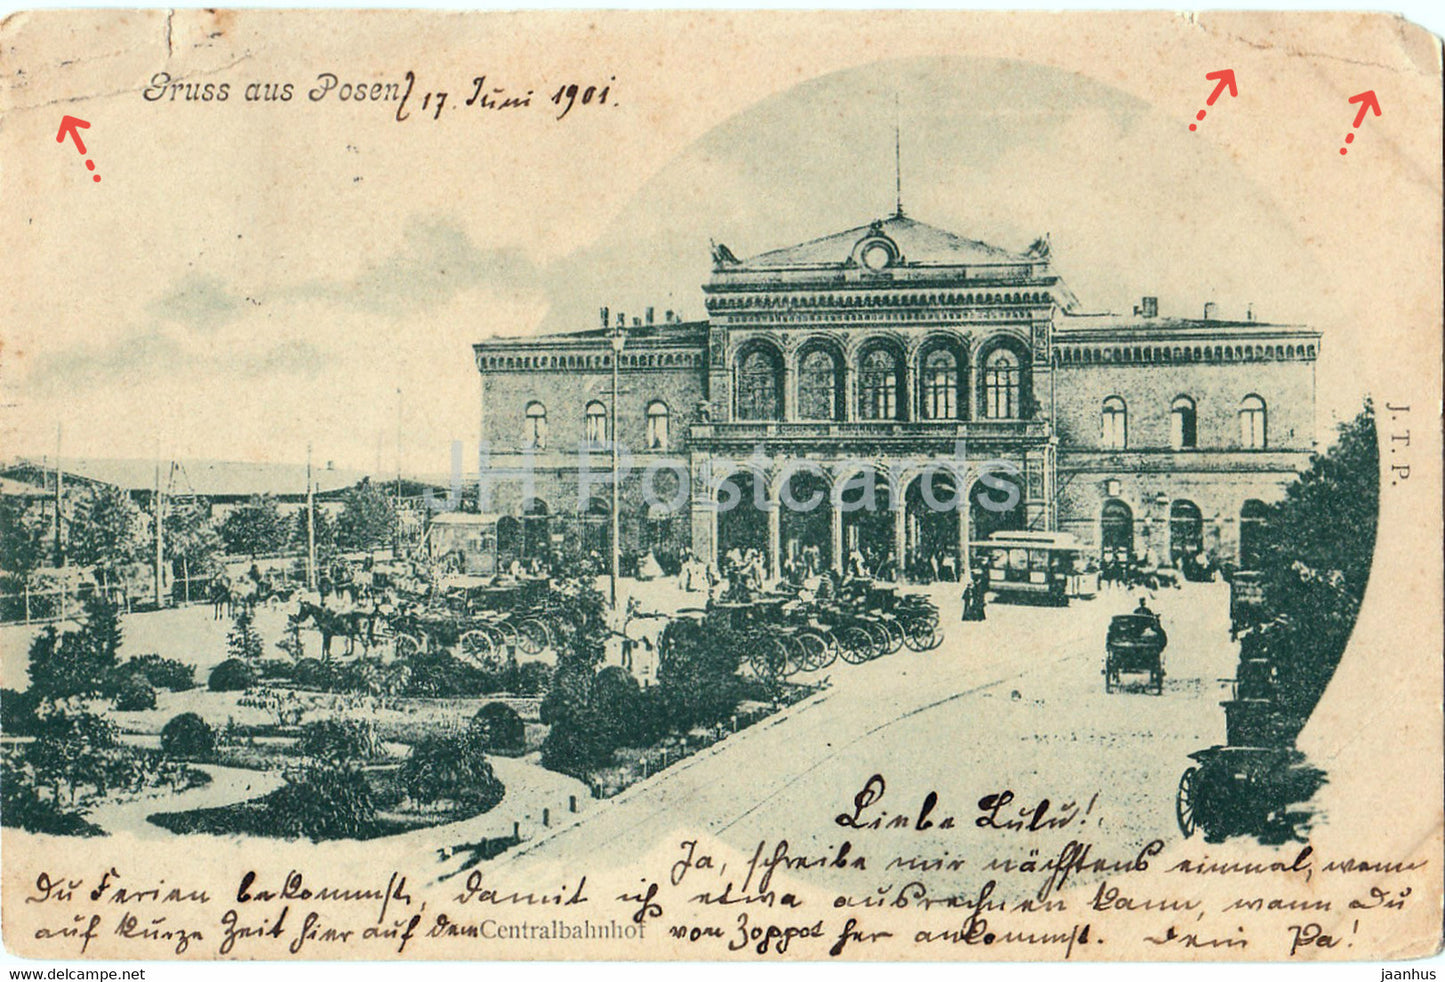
(770, 486)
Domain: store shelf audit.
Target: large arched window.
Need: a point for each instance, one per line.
(657, 419)
(1001, 385)
(1114, 419)
(818, 379)
(534, 426)
(878, 385)
(594, 430)
(1253, 533)
(1183, 433)
(1252, 423)
(758, 385)
(940, 385)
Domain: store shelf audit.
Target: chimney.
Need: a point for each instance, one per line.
(604, 317)
(621, 319)
(637, 322)
(331, 465)
(669, 317)
(1150, 306)
(1249, 312)
(1210, 310)
(648, 318)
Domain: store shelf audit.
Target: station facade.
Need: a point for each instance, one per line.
(871, 394)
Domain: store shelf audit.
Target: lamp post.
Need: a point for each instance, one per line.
(618, 338)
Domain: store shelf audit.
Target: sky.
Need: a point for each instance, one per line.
(242, 288)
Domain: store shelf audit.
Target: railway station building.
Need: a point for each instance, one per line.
(892, 376)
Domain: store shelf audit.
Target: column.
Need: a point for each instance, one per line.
(790, 392)
(900, 537)
(965, 554)
(775, 540)
(835, 533)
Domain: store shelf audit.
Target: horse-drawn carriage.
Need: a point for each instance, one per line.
(1135, 645)
(787, 633)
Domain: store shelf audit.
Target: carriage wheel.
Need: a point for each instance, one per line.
(477, 645)
(894, 633)
(1111, 677)
(1186, 801)
(768, 658)
(855, 644)
(934, 639)
(821, 652)
(1158, 681)
(533, 636)
(797, 655)
(879, 637)
(407, 645)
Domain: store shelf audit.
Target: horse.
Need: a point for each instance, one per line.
(332, 623)
(222, 602)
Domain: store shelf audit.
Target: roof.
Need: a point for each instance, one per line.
(209, 478)
(918, 244)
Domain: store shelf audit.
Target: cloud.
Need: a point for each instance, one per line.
(200, 302)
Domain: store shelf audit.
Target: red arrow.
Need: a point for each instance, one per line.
(72, 126)
(1225, 77)
(1369, 102)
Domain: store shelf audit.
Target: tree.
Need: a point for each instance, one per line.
(22, 540)
(187, 735)
(243, 641)
(1318, 547)
(254, 528)
(191, 540)
(77, 663)
(108, 531)
(322, 527)
(367, 519)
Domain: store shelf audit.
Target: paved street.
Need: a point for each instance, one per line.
(1015, 702)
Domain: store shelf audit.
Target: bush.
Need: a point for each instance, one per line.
(232, 675)
(162, 673)
(21, 806)
(187, 735)
(339, 740)
(324, 802)
(134, 694)
(451, 768)
(311, 673)
(496, 726)
(278, 668)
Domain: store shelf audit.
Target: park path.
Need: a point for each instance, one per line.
(228, 786)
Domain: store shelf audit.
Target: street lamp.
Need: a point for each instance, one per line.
(618, 338)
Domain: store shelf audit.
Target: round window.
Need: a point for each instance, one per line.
(877, 256)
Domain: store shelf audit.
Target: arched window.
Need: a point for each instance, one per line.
(818, 386)
(878, 385)
(594, 431)
(1115, 420)
(940, 385)
(1182, 431)
(1252, 423)
(758, 388)
(1253, 531)
(1001, 385)
(657, 425)
(534, 426)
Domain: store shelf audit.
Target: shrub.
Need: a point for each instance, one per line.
(339, 740)
(163, 673)
(496, 726)
(277, 668)
(187, 735)
(451, 768)
(312, 673)
(232, 675)
(135, 693)
(324, 802)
